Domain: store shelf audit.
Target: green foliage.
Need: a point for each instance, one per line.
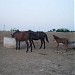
(14, 29)
(62, 30)
(53, 30)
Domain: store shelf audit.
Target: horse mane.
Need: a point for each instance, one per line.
(55, 36)
(39, 31)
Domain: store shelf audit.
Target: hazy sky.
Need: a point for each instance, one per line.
(37, 14)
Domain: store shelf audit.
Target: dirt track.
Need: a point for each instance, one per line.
(39, 62)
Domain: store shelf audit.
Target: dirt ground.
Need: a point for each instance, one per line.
(47, 61)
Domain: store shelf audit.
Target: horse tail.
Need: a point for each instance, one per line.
(46, 38)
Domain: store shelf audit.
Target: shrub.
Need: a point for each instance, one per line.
(62, 30)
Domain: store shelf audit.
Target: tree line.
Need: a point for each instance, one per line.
(60, 30)
(53, 30)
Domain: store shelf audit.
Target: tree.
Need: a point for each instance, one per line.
(53, 30)
(62, 30)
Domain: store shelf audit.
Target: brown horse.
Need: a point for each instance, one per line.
(61, 40)
(22, 36)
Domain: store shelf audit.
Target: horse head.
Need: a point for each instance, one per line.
(13, 34)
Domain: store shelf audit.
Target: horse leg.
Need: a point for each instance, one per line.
(27, 46)
(44, 43)
(33, 44)
(57, 46)
(16, 44)
(66, 47)
(41, 44)
(19, 44)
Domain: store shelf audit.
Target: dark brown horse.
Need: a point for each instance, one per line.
(38, 36)
(22, 36)
(61, 40)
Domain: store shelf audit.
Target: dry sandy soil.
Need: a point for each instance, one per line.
(47, 61)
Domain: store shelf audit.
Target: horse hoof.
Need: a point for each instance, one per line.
(26, 51)
(34, 47)
(66, 50)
